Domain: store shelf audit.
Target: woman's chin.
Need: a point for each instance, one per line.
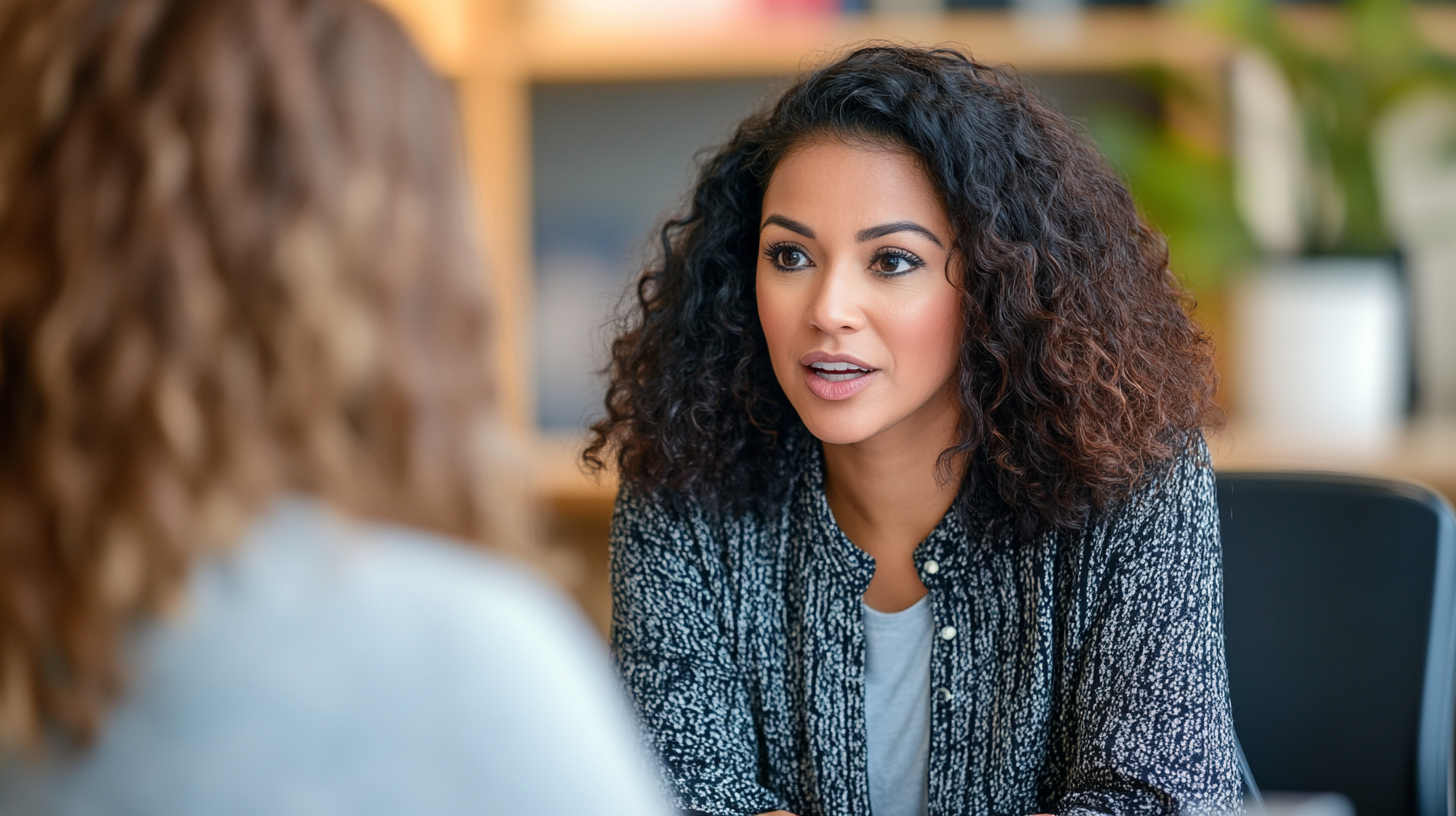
(839, 430)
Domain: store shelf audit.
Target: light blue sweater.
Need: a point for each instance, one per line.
(328, 667)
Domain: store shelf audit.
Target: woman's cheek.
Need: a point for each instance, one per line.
(777, 318)
(927, 338)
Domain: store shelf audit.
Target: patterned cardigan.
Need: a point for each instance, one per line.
(1076, 673)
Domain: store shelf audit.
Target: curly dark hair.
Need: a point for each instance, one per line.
(235, 261)
(1081, 373)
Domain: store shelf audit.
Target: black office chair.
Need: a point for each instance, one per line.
(1340, 594)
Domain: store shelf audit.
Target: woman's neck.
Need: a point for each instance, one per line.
(886, 498)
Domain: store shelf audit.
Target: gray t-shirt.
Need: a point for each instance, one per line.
(897, 708)
(329, 667)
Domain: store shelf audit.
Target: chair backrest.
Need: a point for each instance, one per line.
(1339, 596)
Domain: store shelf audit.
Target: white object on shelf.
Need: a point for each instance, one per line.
(1050, 23)
(1417, 175)
(1320, 353)
(907, 6)
(1270, 167)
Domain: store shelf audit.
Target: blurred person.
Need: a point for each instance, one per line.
(247, 423)
(916, 513)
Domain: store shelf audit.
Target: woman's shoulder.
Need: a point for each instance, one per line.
(794, 458)
(1183, 481)
(302, 551)
(355, 660)
(336, 594)
(664, 519)
(1173, 509)
(660, 513)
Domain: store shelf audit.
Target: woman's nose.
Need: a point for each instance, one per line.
(837, 306)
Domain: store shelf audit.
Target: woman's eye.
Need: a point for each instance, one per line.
(790, 258)
(894, 263)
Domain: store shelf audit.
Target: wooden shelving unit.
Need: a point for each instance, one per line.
(1106, 39)
(494, 53)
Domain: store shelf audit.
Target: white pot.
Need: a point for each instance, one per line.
(1418, 191)
(1319, 353)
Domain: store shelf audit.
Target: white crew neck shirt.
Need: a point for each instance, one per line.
(897, 708)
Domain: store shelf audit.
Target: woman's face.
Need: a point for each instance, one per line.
(862, 322)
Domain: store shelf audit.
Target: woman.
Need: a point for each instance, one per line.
(916, 514)
(243, 334)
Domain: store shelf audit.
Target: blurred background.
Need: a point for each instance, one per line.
(1301, 159)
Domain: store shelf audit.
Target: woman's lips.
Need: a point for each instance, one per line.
(832, 385)
(836, 360)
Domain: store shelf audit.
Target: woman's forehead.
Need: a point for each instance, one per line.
(852, 182)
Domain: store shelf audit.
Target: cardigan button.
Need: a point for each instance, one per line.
(943, 694)
(932, 567)
(948, 633)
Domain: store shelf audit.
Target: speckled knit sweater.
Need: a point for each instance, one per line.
(1074, 673)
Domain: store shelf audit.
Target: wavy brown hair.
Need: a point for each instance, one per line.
(1081, 373)
(235, 259)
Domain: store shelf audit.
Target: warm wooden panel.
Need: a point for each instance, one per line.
(495, 106)
(1425, 452)
(1101, 39)
(558, 476)
(443, 29)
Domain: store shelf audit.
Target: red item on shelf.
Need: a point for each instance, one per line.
(797, 7)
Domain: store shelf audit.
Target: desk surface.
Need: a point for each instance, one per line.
(1424, 452)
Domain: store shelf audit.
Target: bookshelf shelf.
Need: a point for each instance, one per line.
(1103, 39)
(536, 49)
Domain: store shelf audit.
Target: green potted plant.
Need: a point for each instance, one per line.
(1320, 328)
(1341, 90)
(1323, 333)
(1183, 187)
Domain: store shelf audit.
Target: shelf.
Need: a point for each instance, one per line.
(1425, 453)
(1099, 39)
(557, 477)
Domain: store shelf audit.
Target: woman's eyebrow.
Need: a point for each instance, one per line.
(882, 230)
(788, 224)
